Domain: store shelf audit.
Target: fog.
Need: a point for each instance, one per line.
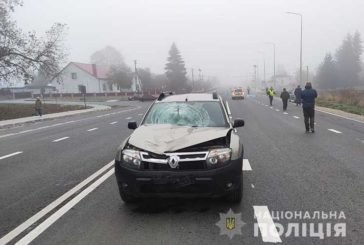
(223, 38)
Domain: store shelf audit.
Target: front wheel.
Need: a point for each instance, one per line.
(126, 197)
(236, 195)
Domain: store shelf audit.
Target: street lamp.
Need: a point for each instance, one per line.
(299, 14)
(274, 61)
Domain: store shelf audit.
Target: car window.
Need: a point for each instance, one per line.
(238, 90)
(194, 114)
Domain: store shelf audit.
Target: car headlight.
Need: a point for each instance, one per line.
(131, 158)
(218, 157)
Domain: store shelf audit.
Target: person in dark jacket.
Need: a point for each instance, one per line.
(308, 97)
(285, 97)
(38, 107)
(297, 94)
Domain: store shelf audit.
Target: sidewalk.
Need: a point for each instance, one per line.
(22, 120)
(343, 114)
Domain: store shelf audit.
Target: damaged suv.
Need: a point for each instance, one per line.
(185, 146)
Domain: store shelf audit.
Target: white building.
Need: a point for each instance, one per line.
(75, 74)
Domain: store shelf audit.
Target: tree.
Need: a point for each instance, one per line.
(108, 57)
(176, 71)
(22, 55)
(121, 75)
(327, 73)
(348, 60)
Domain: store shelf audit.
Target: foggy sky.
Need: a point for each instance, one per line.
(223, 38)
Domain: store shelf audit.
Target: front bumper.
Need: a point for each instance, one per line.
(195, 183)
(240, 97)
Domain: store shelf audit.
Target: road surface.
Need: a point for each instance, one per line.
(57, 184)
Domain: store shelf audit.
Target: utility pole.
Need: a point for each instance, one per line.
(274, 62)
(307, 73)
(193, 80)
(299, 14)
(255, 77)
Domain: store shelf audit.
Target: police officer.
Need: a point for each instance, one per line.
(308, 97)
(271, 93)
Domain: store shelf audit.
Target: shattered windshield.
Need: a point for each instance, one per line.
(193, 114)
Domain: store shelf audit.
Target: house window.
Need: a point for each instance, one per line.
(74, 75)
(104, 87)
(110, 87)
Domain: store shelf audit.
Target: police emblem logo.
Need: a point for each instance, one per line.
(230, 224)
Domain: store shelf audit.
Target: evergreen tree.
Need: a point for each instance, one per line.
(176, 71)
(327, 73)
(348, 61)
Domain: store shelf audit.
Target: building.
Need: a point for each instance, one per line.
(73, 75)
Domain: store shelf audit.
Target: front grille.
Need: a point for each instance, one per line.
(186, 161)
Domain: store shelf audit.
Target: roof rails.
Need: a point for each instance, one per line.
(215, 96)
(164, 94)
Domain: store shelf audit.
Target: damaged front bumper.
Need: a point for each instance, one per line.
(180, 183)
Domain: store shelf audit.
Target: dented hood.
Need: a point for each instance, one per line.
(168, 138)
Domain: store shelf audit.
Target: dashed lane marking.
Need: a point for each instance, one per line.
(10, 155)
(296, 117)
(252, 186)
(335, 131)
(285, 113)
(112, 123)
(277, 109)
(92, 129)
(60, 139)
(246, 165)
(128, 118)
(267, 228)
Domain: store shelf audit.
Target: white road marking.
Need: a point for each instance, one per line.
(246, 165)
(252, 186)
(266, 105)
(362, 141)
(60, 139)
(112, 123)
(64, 209)
(277, 109)
(25, 225)
(296, 117)
(140, 114)
(112, 101)
(285, 113)
(10, 155)
(267, 228)
(128, 118)
(92, 129)
(335, 131)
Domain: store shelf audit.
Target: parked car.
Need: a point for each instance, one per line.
(237, 94)
(185, 146)
(142, 97)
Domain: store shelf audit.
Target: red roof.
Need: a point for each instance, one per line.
(93, 70)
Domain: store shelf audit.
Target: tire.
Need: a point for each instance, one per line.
(127, 198)
(236, 195)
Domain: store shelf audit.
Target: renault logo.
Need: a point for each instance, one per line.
(173, 161)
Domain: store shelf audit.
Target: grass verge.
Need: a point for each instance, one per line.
(13, 111)
(355, 109)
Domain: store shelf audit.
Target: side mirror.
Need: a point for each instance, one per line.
(132, 125)
(238, 123)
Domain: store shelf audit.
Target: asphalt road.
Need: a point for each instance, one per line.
(45, 169)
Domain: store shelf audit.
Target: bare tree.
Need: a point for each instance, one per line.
(23, 54)
(108, 57)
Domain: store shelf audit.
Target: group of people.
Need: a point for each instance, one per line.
(305, 97)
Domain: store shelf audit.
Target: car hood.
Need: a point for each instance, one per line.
(168, 138)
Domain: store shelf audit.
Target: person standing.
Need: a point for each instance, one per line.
(285, 97)
(270, 94)
(308, 97)
(297, 94)
(38, 107)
